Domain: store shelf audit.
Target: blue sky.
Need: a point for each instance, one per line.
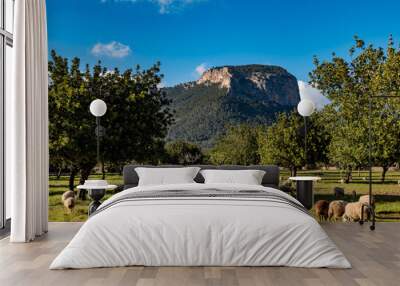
(188, 36)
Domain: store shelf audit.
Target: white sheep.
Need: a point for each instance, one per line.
(353, 212)
(365, 200)
(68, 199)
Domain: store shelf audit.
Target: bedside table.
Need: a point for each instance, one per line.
(96, 193)
(304, 190)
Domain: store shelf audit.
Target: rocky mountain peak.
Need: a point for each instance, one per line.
(220, 75)
(230, 95)
(263, 82)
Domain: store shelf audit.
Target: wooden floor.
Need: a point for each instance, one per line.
(375, 257)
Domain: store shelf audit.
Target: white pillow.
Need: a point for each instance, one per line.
(166, 176)
(248, 177)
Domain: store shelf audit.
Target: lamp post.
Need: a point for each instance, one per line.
(98, 108)
(305, 108)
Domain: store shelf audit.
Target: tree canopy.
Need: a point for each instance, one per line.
(184, 153)
(350, 85)
(239, 146)
(283, 143)
(135, 124)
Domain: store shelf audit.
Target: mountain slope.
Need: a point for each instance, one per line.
(230, 95)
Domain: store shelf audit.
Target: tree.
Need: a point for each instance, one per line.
(283, 142)
(138, 116)
(136, 121)
(349, 85)
(184, 153)
(70, 126)
(238, 146)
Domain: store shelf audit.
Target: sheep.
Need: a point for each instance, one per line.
(336, 209)
(67, 194)
(68, 199)
(69, 204)
(365, 200)
(321, 209)
(353, 212)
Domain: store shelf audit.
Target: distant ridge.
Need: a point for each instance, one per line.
(230, 95)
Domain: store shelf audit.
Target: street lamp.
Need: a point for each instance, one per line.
(305, 108)
(98, 108)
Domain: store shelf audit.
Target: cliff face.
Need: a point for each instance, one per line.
(262, 82)
(230, 95)
(220, 76)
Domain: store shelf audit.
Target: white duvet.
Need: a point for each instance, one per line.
(202, 232)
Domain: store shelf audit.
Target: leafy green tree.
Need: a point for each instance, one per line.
(184, 153)
(70, 127)
(136, 121)
(238, 146)
(349, 85)
(137, 117)
(386, 127)
(283, 142)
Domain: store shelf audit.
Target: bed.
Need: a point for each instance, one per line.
(201, 224)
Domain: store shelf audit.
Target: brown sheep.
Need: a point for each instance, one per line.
(68, 199)
(321, 209)
(336, 209)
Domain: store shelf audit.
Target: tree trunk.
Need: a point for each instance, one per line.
(384, 170)
(348, 176)
(293, 172)
(59, 173)
(72, 178)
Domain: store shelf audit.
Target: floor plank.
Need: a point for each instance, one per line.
(375, 257)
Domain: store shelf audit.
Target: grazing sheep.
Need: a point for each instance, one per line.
(67, 194)
(68, 199)
(336, 209)
(365, 200)
(69, 204)
(353, 212)
(321, 209)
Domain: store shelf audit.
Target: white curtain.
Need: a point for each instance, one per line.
(27, 124)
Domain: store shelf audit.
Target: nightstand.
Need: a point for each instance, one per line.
(304, 190)
(97, 190)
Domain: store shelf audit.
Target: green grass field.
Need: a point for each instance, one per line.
(387, 195)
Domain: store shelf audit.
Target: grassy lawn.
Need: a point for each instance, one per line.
(387, 194)
(57, 212)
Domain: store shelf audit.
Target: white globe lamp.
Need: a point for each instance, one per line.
(98, 107)
(306, 107)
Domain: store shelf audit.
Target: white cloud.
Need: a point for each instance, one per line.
(201, 68)
(113, 49)
(165, 6)
(313, 94)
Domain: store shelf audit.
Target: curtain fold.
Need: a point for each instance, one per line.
(27, 120)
